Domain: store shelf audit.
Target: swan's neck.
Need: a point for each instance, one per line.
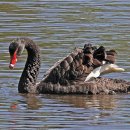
(27, 83)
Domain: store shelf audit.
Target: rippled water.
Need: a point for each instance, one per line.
(58, 26)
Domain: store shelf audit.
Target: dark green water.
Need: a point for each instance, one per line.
(58, 26)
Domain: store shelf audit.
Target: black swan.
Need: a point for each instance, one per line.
(68, 75)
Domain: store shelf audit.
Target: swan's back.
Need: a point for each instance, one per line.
(77, 64)
(68, 69)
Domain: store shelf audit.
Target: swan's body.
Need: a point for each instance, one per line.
(67, 75)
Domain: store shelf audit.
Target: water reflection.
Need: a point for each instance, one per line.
(32, 101)
(63, 111)
(96, 101)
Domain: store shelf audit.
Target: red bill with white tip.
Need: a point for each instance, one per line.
(13, 60)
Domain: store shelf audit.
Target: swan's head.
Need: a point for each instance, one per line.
(15, 49)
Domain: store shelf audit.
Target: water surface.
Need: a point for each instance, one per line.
(58, 26)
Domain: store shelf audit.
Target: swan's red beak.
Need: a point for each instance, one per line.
(13, 60)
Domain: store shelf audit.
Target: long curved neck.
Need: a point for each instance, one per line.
(27, 83)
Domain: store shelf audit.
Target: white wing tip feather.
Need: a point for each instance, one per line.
(107, 68)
